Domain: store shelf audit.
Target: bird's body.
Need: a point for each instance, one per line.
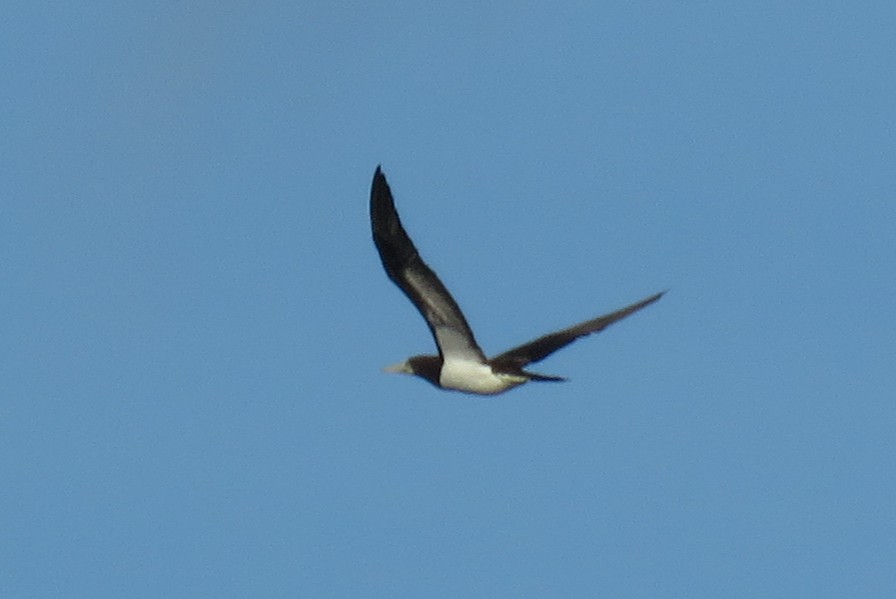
(475, 377)
(461, 365)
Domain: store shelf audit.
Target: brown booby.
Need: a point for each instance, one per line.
(461, 365)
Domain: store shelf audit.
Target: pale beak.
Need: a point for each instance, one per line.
(400, 368)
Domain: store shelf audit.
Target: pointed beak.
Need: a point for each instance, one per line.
(400, 368)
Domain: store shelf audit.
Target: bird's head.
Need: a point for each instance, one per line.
(427, 367)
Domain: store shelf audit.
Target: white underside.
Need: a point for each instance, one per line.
(474, 377)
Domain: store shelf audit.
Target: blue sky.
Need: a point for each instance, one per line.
(195, 318)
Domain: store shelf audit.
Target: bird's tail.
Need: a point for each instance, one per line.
(534, 376)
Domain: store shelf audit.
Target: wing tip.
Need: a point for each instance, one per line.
(651, 299)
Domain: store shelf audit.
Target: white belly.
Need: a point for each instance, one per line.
(473, 377)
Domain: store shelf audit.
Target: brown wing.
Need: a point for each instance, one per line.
(404, 266)
(541, 348)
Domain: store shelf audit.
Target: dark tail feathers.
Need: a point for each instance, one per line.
(534, 376)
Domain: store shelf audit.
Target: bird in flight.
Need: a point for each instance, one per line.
(461, 365)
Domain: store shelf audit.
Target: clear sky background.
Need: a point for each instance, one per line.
(194, 317)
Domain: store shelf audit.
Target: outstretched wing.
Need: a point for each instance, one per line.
(541, 348)
(407, 270)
